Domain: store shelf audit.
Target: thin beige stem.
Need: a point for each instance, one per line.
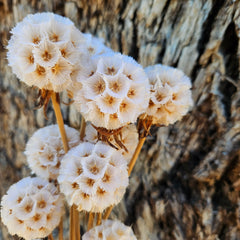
(135, 155)
(60, 229)
(130, 168)
(72, 224)
(99, 218)
(77, 223)
(50, 237)
(107, 213)
(58, 114)
(142, 125)
(90, 220)
(82, 129)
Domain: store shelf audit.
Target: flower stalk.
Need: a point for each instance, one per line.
(107, 213)
(58, 114)
(144, 126)
(90, 220)
(50, 237)
(60, 230)
(99, 218)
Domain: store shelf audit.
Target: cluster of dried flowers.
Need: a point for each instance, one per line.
(113, 230)
(111, 91)
(32, 208)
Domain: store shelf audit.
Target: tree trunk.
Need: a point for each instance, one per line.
(185, 184)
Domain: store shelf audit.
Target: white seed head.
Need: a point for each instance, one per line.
(170, 94)
(114, 92)
(43, 49)
(44, 150)
(110, 230)
(129, 138)
(91, 175)
(32, 208)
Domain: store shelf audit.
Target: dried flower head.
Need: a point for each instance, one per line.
(115, 91)
(94, 46)
(32, 208)
(128, 137)
(93, 176)
(43, 49)
(110, 230)
(170, 94)
(44, 150)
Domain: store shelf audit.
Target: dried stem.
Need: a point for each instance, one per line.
(144, 126)
(60, 229)
(99, 218)
(90, 220)
(72, 224)
(58, 114)
(82, 128)
(74, 211)
(135, 155)
(107, 213)
(77, 223)
(50, 237)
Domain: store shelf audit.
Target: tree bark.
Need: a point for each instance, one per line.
(185, 184)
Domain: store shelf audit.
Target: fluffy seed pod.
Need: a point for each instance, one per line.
(110, 230)
(129, 138)
(170, 94)
(44, 150)
(93, 176)
(43, 49)
(32, 208)
(115, 91)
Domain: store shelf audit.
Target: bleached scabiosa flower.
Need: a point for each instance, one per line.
(115, 91)
(43, 49)
(44, 150)
(93, 176)
(110, 230)
(129, 138)
(32, 208)
(170, 97)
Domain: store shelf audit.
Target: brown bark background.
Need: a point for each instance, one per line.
(185, 184)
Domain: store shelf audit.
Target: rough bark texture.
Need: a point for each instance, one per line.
(186, 182)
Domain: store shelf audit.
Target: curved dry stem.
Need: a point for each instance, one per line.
(144, 126)
(135, 155)
(58, 114)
